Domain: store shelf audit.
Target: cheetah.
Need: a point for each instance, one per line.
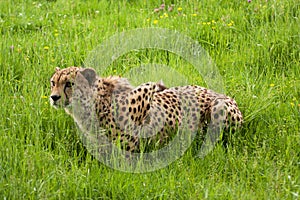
(150, 110)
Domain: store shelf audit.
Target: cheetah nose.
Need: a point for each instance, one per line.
(55, 97)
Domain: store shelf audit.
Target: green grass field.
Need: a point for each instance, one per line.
(255, 45)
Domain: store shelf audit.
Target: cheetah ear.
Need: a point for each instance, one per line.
(57, 69)
(161, 86)
(89, 74)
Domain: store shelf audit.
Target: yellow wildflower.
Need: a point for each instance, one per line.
(166, 15)
(155, 21)
(44, 97)
(194, 15)
(46, 47)
(179, 9)
(272, 85)
(292, 104)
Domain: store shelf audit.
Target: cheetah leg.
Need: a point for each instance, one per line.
(226, 117)
(217, 123)
(219, 119)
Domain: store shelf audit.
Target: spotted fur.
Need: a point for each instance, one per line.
(150, 110)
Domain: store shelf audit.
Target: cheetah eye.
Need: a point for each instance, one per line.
(52, 83)
(69, 84)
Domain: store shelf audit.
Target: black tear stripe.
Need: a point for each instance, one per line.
(65, 92)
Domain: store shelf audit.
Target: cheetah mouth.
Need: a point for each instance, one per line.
(59, 104)
(55, 105)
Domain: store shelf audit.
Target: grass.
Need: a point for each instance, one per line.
(255, 46)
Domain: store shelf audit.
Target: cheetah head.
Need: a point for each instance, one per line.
(63, 81)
